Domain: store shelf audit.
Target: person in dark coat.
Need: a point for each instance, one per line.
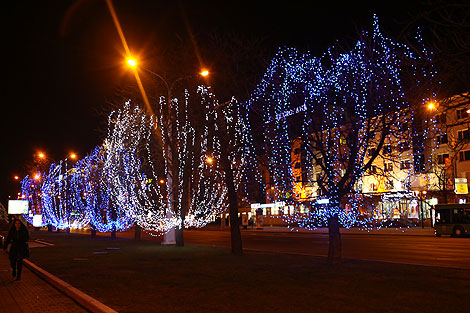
(18, 236)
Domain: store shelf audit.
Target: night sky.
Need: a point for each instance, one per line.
(63, 59)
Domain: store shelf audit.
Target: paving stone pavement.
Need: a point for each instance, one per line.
(31, 293)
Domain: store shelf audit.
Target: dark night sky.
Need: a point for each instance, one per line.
(62, 59)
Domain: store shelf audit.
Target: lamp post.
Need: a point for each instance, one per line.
(170, 145)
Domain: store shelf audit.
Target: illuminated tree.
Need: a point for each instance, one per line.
(341, 106)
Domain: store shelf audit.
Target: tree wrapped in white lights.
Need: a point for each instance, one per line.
(228, 129)
(194, 193)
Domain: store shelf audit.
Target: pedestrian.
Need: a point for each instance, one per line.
(18, 236)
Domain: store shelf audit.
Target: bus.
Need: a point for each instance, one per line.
(452, 219)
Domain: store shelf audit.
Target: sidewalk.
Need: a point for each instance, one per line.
(31, 293)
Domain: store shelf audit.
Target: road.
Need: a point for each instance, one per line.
(420, 250)
(399, 248)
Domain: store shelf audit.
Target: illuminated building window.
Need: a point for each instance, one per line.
(388, 167)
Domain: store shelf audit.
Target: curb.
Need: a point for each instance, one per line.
(80, 297)
(345, 233)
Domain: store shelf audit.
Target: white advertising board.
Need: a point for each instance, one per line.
(18, 206)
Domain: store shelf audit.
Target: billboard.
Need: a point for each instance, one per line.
(18, 206)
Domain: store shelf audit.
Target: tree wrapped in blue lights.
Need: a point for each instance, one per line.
(63, 202)
(343, 107)
(31, 191)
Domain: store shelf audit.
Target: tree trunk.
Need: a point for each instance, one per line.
(334, 248)
(113, 218)
(137, 232)
(185, 199)
(235, 234)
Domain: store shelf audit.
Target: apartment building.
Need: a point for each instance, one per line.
(411, 173)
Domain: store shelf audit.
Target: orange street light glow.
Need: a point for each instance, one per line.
(210, 160)
(131, 62)
(431, 105)
(41, 155)
(73, 156)
(37, 176)
(204, 73)
(161, 181)
(16, 177)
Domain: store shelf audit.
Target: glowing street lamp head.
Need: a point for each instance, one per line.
(209, 160)
(204, 73)
(131, 62)
(41, 155)
(162, 181)
(73, 156)
(16, 177)
(37, 177)
(432, 105)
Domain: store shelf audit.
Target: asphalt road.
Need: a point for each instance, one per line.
(399, 248)
(419, 249)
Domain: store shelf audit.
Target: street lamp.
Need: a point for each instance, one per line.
(73, 156)
(131, 62)
(209, 160)
(432, 105)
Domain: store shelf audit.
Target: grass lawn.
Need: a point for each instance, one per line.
(148, 277)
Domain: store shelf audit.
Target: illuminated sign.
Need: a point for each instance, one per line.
(18, 206)
(461, 187)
